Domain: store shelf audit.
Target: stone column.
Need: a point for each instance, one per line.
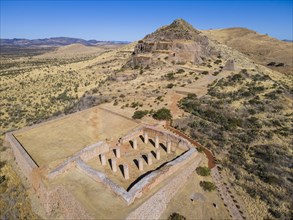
(114, 165)
(134, 142)
(168, 147)
(126, 171)
(158, 154)
(157, 142)
(103, 159)
(117, 152)
(140, 164)
(150, 161)
(146, 137)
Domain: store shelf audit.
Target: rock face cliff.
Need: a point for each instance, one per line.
(178, 42)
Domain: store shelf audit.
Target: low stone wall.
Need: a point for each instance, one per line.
(145, 184)
(100, 177)
(154, 207)
(85, 154)
(23, 159)
(132, 134)
(180, 142)
(156, 177)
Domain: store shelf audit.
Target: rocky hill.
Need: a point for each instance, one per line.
(178, 42)
(264, 49)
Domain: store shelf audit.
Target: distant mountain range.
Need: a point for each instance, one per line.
(290, 41)
(54, 42)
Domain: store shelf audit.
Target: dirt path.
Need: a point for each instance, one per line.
(174, 98)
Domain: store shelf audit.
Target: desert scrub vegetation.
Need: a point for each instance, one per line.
(162, 114)
(37, 89)
(207, 186)
(203, 171)
(176, 216)
(139, 114)
(245, 119)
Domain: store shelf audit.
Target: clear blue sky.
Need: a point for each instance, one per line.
(132, 20)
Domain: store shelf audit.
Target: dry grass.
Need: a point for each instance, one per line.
(259, 47)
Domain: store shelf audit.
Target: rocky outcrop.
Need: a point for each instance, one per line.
(179, 41)
(177, 30)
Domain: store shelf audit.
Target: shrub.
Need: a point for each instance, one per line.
(176, 216)
(64, 97)
(139, 114)
(162, 114)
(207, 186)
(135, 104)
(191, 96)
(2, 164)
(170, 85)
(180, 71)
(203, 171)
(95, 90)
(200, 149)
(205, 73)
(218, 62)
(115, 102)
(2, 179)
(170, 76)
(280, 64)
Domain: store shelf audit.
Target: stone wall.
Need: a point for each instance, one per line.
(156, 205)
(56, 199)
(85, 154)
(100, 177)
(156, 177)
(179, 141)
(145, 184)
(23, 159)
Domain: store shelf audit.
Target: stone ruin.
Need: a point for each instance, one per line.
(185, 162)
(179, 41)
(230, 65)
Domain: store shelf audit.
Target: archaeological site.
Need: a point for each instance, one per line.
(180, 124)
(137, 169)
